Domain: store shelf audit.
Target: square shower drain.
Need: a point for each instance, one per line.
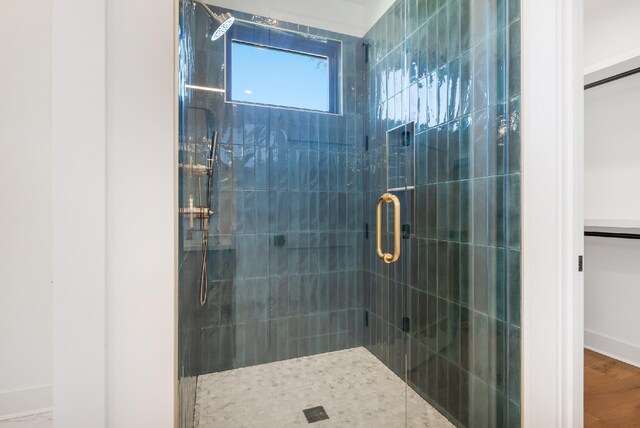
(315, 414)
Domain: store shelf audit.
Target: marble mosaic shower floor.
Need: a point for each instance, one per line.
(354, 387)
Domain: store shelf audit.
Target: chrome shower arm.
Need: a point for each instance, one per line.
(224, 20)
(211, 13)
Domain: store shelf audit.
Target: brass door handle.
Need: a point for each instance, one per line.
(388, 198)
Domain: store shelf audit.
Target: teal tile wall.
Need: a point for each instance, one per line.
(453, 68)
(282, 176)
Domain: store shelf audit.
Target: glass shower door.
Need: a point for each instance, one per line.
(452, 68)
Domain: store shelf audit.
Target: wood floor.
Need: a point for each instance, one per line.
(611, 392)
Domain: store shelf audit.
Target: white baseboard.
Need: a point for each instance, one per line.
(24, 402)
(614, 348)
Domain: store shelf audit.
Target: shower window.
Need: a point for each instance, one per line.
(285, 69)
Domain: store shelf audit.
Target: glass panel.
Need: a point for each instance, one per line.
(262, 75)
(460, 263)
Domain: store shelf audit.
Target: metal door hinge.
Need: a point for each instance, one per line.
(580, 263)
(366, 52)
(406, 324)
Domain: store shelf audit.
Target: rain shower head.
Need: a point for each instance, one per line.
(223, 20)
(226, 21)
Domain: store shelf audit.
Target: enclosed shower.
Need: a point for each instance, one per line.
(349, 211)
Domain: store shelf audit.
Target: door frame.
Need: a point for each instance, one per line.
(552, 197)
(552, 204)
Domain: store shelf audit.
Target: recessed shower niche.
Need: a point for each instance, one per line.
(297, 294)
(400, 163)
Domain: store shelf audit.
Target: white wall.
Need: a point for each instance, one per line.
(353, 17)
(25, 195)
(611, 32)
(612, 284)
(114, 213)
(141, 213)
(612, 151)
(78, 136)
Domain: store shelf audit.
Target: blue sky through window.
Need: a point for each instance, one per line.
(283, 78)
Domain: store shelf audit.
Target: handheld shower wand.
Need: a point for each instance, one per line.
(213, 145)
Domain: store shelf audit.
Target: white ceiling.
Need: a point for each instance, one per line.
(353, 17)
